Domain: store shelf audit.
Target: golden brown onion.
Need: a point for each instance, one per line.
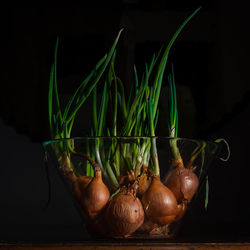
(181, 210)
(96, 195)
(183, 182)
(78, 187)
(124, 214)
(159, 203)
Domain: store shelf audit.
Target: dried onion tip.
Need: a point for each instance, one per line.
(144, 182)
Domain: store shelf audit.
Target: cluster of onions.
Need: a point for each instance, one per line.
(166, 202)
(118, 216)
(142, 203)
(145, 205)
(137, 199)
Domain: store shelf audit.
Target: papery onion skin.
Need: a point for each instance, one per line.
(78, 187)
(159, 203)
(144, 182)
(83, 182)
(183, 182)
(181, 210)
(124, 214)
(147, 226)
(95, 196)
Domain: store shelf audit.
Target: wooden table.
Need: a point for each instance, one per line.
(74, 238)
(128, 246)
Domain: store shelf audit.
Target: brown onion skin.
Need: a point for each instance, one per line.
(159, 203)
(147, 226)
(78, 187)
(181, 210)
(124, 214)
(95, 196)
(144, 182)
(183, 182)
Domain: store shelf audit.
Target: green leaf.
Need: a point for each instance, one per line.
(122, 98)
(173, 110)
(156, 119)
(96, 79)
(50, 100)
(130, 121)
(95, 110)
(115, 102)
(114, 194)
(77, 96)
(103, 111)
(162, 65)
(55, 80)
(157, 94)
(207, 193)
(136, 81)
(151, 118)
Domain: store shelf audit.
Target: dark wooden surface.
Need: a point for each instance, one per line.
(132, 246)
(228, 237)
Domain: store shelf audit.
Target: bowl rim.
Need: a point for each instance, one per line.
(49, 142)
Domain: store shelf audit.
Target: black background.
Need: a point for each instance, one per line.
(211, 59)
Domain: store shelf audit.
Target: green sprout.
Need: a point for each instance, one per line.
(133, 115)
(61, 122)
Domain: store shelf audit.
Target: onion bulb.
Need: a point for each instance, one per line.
(181, 210)
(124, 214)
(78, 187)
(159, 203)
(183, 182)
(96, 195)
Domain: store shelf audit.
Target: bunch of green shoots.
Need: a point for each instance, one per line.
(61, 121)
(137, 112)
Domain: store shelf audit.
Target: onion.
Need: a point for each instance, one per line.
(91, 193)
(159, 203)
(78, 187)
(181, 210)
(96, 195)
(183, 182)
(124, 213)
(154, 229)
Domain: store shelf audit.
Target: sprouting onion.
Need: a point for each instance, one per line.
(127, 167)
(61, 121)
(181, 180)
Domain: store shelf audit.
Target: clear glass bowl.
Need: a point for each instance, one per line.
(137, 187)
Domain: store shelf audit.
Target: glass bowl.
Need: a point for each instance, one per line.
(132, 187)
